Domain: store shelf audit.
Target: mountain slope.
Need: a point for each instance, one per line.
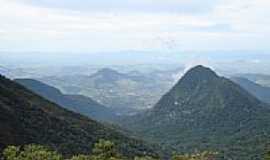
(206, 112)
(262, 93)
(261, 79)
(28, 118)
(76, 103)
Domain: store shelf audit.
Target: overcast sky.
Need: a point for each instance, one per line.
(150, 25)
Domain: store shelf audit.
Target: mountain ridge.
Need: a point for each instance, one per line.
(26, 118)
(204, 111)
(261, 92)
(77, 103)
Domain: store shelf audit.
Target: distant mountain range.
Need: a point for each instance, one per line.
(126, 93)
(27, 118)
(204, 111)
(77, 103)
(262, 93)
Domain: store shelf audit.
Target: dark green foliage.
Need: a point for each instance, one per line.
(197, 156)
(30, 152)
(145, 158)
(103, 150)
(81, 157)
(206, 112)
(28, 118)
(267, 156)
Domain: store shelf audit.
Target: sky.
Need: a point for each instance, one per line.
(145, 25)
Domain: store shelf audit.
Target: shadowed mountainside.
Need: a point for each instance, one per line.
(28, 118)
(76, 103)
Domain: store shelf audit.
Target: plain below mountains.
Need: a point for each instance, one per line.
(126, 93)
(27, 118)
(77, 103)
(204, 111)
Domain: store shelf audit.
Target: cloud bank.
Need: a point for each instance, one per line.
(158, 25)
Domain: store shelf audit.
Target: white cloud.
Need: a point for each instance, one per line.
(230, 24)
(182, 6)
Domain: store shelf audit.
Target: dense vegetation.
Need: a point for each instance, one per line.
(206, 112)
(77, 103)
(28, 118)
(203, 111)
(103, 150)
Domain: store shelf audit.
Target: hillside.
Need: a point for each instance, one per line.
(261, 79)
(204, 111)
(262, 93)
(76, 103)
(28, 118)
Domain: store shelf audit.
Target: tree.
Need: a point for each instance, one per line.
(105, 150)
(199, 156)
(30, 152)
(11, 153)
(81, 157)
(267, 156)
(144, 158)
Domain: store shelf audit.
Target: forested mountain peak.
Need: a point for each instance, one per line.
(205, 111)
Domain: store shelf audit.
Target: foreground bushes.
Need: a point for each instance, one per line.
(103, 150)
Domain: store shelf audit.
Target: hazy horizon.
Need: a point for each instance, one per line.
(228, 35)
(144, 25)
(134, 79)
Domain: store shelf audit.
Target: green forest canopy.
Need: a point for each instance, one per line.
(103, 150)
